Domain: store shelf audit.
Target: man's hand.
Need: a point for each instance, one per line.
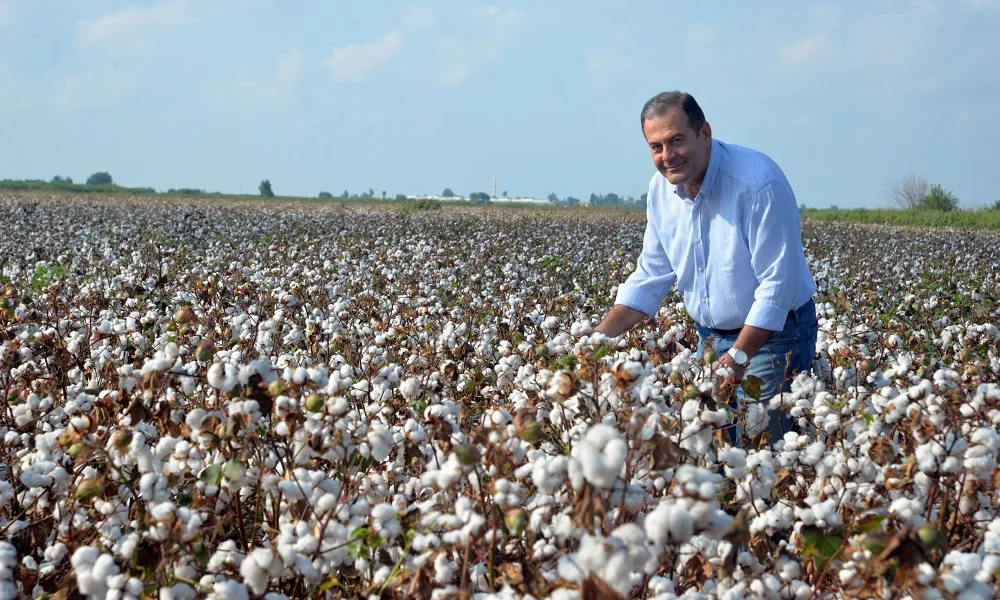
(738, 372)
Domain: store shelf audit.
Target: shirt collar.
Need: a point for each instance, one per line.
(715, 157)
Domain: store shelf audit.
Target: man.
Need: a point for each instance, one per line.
(723, 224)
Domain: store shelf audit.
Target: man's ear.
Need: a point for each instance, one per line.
(706, 130)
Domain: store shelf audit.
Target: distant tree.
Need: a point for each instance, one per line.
(939, 199)
(479, 198)
(371, 193)
(265, 189)
(447, 193)
(383, 194)
(553, 198)
(834, 207)
(505, 193)
(995, 205)
(802, 206)
(572, 201)
(907, 193)
(400, 198)
(100, 178)
(345, 195)
(58, 179)
(325, 195)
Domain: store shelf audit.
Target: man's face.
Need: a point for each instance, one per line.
(679, 152)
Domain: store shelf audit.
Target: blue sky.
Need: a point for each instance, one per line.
(411, 97)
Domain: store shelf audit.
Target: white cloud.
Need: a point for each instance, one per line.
(15, 93)
(257, 89)
(289, 68)
(416, 18)
(131, 26)
(463, 55)
(353, 62)
(809, 50)
(606, 66)
(610, 63)
(97, 88)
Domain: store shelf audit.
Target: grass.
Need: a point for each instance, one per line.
(961, 219)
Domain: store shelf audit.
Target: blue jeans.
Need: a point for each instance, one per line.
(772, 363)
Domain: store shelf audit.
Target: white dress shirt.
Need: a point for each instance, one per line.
(734, 251)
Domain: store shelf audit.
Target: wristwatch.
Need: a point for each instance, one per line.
(739, 357)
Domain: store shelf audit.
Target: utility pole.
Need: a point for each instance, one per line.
(494, 186)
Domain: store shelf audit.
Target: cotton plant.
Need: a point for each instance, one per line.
(285, 404)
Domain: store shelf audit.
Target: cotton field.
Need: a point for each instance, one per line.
(240, 400)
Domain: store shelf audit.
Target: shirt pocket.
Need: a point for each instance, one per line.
(734, 291)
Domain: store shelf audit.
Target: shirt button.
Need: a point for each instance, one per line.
(705, 300)
(701, 269)
(697, 240)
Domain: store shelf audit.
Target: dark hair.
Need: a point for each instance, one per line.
(664, 101)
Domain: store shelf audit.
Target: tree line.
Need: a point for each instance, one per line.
(911, 192)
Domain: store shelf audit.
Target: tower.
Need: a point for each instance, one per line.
(494, 186)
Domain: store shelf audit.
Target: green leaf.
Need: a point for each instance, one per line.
(751, 386)
(870, 523)
(232, 470)
(820, 544)
(601, 352)
(565, 362)
(869, 418)
(201, 553)
(211, 474)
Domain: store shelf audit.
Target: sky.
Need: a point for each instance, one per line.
(415, 96)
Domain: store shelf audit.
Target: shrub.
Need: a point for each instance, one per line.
(100, 178)
(939, 199)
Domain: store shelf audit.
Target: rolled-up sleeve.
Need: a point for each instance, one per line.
(653, 277)
(775, 241)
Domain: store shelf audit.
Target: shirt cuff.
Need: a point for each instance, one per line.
(767, 316)
(639, 299)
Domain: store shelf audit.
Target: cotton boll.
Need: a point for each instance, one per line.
(669, 524)
(254, 569)
(601, 454)
(410, 388)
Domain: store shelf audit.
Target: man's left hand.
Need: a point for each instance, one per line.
(738, 372)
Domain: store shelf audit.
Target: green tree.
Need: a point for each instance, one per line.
(325, 195)
(939, 199)
(383, 194)
(447, 193)
(553, 198)
(100, 178)
(58, 179)
(479, 198)
(265, 189)
(505, 193)
(572, 201)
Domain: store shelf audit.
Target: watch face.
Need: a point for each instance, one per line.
(739, 356)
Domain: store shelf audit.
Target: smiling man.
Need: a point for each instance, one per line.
(723, 225)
